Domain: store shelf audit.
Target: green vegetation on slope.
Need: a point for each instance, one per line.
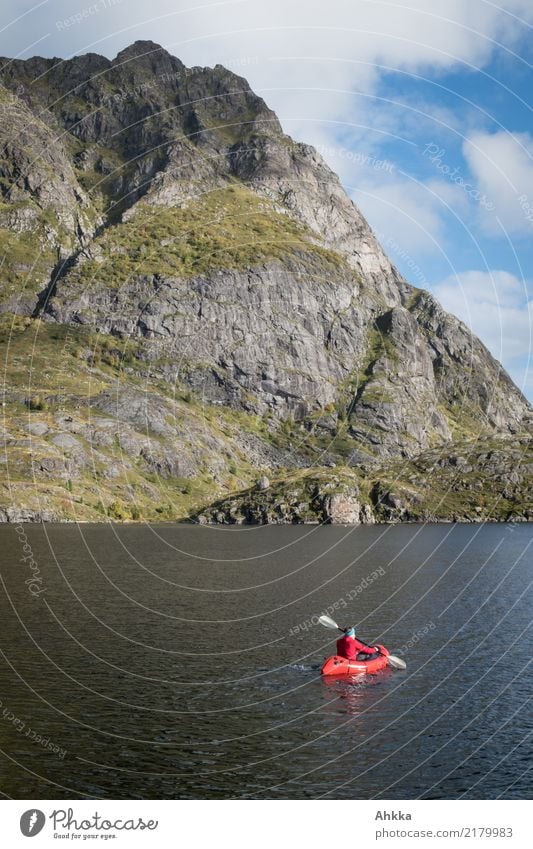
(226, 228)
(26, 258)
(472, 484)
(65, 455)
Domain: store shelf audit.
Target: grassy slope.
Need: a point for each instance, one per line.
(51, 372)
(423, 489)
(226, 228)
(26, 258)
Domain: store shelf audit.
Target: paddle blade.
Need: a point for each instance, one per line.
(396, 662)
(329, 623)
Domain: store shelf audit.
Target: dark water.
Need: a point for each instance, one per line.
(165, 663)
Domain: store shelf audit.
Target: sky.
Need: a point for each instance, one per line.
(422, 108)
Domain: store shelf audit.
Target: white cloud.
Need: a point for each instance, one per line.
(497, 308)
(404, 213)
(409, 216)
(502, 165)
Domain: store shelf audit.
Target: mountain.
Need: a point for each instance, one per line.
(191, 301)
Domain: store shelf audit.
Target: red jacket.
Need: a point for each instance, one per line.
(349, 648)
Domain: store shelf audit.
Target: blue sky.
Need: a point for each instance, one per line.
(422, 109)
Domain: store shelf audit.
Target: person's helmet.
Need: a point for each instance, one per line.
(349, 632)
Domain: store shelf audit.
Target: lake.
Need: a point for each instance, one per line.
(176, 661)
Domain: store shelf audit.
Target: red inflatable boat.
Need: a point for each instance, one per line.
(341, 666)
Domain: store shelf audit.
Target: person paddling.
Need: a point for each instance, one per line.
(349, 636)
(351, 648)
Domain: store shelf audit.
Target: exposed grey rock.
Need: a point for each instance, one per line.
(37, 428)
(266, 456)
(66, 442)
(296, 177)
(52, 466)
(262, 340)
(14, 515)
(35, 167)
(342, 509)
(366, 515)
(169, 465)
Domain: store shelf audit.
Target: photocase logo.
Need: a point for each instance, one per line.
(32, 822)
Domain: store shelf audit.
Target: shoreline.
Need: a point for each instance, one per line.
(191, 523)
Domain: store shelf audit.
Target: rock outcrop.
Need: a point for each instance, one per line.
(158, 215)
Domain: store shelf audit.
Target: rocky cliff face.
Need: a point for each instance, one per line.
(160, 213)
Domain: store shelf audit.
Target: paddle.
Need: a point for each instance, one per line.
(395, 662)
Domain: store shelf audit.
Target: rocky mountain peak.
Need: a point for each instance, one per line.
(140, 49)
(146, 57)
(164, 207)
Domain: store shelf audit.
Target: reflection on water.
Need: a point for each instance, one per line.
(159, 670)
